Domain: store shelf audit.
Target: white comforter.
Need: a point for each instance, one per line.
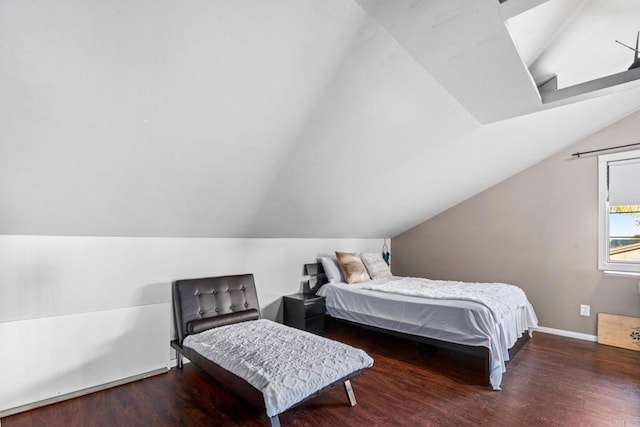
(285, 364)
(500, 298)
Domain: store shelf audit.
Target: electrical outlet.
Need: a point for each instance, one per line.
(585, 310)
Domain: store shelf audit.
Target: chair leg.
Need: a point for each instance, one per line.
(275, 421)
(179, 360)
(350, 395)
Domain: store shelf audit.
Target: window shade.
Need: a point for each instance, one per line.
(624, 182)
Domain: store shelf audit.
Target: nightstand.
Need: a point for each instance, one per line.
(305, 311)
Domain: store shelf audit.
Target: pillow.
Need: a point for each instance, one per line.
(199, 325)
(377, 268)
(352, 267)
(331, 269)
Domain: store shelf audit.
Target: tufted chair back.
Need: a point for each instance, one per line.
(201, 304)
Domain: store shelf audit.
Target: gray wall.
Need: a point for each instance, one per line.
(537, 230)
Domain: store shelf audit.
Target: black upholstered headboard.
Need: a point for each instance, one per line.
(201, 304)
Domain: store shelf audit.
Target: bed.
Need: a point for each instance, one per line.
(271, 366)
(455, 322)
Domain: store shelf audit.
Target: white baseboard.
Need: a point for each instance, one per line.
(12, 411)
(569, 334)
(72, 395)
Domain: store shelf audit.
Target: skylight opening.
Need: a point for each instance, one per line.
(572, 47)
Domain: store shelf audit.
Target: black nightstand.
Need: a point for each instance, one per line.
(305, 311)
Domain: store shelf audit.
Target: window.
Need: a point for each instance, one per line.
(619, 214)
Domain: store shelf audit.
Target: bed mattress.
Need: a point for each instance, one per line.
(453, 320)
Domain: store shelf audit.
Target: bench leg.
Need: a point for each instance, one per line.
(350, 395)
(275, 421)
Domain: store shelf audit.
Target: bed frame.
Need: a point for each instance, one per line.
(317, 278)
(201, 304)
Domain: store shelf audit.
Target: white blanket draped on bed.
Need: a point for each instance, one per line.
(500, 298)
(285, 364)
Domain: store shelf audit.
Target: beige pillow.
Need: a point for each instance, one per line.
(352, 267)
(377, 268)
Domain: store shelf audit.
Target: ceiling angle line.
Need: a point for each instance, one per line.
(582, 153)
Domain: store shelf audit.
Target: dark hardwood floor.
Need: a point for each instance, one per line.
(553, 381)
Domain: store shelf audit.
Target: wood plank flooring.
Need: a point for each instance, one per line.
(553, 381)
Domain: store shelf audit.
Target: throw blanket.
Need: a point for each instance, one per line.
(285, 364)
(500, 298)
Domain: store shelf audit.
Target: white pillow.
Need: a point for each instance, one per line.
(331, 269)
(377, 268)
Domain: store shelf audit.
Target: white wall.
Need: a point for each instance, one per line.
(233, 119)
(52, 357)
(77, 312)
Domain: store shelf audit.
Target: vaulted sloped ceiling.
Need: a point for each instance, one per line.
(288, 118)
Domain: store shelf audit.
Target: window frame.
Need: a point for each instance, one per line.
(603, 214)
